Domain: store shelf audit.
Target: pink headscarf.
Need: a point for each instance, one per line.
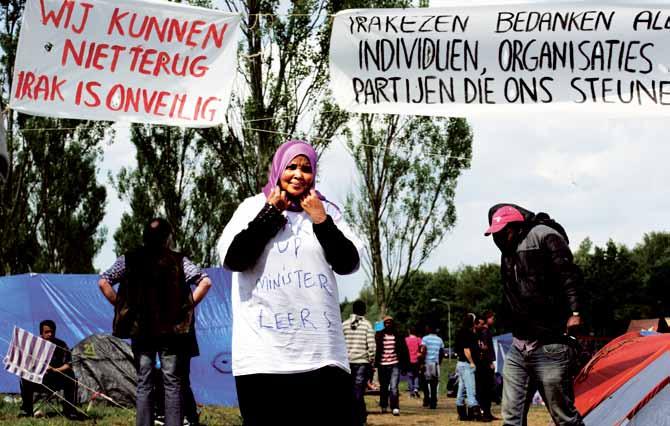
(283, 156)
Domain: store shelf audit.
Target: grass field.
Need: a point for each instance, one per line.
(411, 413)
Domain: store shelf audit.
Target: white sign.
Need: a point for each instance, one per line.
(125, 60)
(462, 60)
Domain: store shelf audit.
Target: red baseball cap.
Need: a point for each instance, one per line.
(502, 217)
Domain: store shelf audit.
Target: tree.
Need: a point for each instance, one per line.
(611, 291)
(283, 92)
(653, 256)
(51, 204)
(408, 170)
(173, 179)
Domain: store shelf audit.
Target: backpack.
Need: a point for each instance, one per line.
(543, 218)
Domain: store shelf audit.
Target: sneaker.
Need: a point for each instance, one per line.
(385, 410)
(159, 421)
(396, 412)
(24, 414)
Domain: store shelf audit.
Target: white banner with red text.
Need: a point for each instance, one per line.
(140, 61)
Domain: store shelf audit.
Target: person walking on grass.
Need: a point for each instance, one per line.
(359, 336)
(391, 359)
(413, 343)
(434, 348)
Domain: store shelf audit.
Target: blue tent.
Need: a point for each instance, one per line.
(501, 345)
(75, 303)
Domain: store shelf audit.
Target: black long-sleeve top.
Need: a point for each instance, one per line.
(248, 245)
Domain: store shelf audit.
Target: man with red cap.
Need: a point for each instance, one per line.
(540, 283)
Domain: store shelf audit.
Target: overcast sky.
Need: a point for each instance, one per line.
(599, 177)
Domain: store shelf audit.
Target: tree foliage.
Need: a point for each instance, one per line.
(51, 205)
(196, 178)
(173, 179)
(282, 89)
(408, 171)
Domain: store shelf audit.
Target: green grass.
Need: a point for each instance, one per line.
(108, 416)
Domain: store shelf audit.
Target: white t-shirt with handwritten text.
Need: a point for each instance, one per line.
(286, 312)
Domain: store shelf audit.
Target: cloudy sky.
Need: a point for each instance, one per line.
(600, 177)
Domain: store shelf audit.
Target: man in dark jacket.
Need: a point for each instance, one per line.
(154, 307)
(391, 358)
(540, 284)
(485, 364)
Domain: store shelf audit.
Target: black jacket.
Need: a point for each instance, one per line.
(540, 282)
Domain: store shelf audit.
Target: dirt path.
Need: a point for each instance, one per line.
(413, 414)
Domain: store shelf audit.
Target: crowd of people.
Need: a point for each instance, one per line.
(420, 358)
(293, 358)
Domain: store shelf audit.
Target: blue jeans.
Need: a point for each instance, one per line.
(389, 376)
(413, 378)
(172, 363)
(466, 385)
(359, 377)
(545, 369)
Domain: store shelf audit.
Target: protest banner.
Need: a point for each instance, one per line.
(504, 58)
(125, 60)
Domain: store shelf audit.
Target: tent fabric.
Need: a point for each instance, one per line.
(75, 303)
(501, 345)
(104, 363)
(662, 325)
(621, 375)
(655, 412)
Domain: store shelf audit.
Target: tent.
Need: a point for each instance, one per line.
(75, 303)
(661, 325)
(627, 382)
(501, 345)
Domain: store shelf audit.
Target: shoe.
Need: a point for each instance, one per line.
(462, 413)
(475, 413)
(23, 413)
(159, 421)
(396, 412)
(38, 414)
(385, 410)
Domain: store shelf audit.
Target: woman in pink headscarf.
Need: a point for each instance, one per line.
(285, 246)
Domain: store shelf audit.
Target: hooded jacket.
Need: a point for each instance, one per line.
(540, 279)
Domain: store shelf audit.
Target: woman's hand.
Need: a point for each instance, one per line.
(278, 198)
(313, 206)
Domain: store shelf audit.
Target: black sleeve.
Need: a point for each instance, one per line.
(562, 265)
(340, 251)
(248, 245)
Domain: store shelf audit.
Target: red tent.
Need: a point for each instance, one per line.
(626, 382)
